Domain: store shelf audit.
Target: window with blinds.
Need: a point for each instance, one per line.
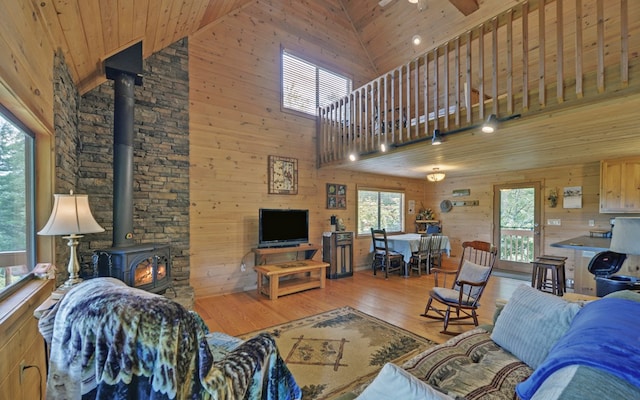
(306, 86)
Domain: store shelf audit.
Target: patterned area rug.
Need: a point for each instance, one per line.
(336, 351)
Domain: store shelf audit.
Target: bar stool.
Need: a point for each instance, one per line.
(540, 280)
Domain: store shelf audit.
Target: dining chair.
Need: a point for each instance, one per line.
(421, 256)
(384, 258)
(434, 258)
(463, 296)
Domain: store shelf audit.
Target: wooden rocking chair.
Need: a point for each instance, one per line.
(463, 296)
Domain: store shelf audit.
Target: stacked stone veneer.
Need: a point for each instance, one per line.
(161, 155)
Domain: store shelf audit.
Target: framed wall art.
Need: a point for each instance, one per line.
(336, 196)
(283, 175)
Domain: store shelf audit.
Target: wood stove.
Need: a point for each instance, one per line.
(144, 266)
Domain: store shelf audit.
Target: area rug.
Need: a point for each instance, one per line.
(339, 350)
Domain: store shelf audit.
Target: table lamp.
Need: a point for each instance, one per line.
(626, 240)
(71, 216)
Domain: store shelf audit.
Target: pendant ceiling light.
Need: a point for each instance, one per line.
(491, 125)
(436, 175)
(437, 138)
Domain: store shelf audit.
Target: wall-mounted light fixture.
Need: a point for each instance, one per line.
(383, 148)
(436, 175)
(352, 157)
(491, 124)
(437, 138)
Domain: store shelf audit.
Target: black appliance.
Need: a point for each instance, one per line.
(603, 266)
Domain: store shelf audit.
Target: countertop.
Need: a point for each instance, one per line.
(585, 243)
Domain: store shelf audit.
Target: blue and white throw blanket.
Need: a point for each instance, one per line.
(111, 341)
(605, 334)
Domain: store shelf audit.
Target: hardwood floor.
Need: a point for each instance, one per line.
(397, 300)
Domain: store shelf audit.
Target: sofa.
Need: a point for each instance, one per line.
(111, 341)
(539, 347)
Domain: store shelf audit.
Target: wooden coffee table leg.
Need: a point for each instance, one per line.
(259, 282)
(273, 287)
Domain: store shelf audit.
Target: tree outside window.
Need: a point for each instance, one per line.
(16, 188)
(380, 209)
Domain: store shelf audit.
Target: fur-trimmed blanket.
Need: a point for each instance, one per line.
(111, 341)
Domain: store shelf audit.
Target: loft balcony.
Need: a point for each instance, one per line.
(538, 57)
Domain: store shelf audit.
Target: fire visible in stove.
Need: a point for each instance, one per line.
(145, 266)
(143, 272)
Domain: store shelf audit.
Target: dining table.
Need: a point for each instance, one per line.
(408, 243)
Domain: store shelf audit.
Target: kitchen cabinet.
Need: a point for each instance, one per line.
(620, 185)
(584, 281)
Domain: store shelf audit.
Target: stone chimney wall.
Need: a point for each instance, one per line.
(161, 155)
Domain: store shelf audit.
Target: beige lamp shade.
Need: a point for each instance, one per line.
(71, 215)
(626, 236)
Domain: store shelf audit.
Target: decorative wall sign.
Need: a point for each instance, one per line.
(283, 175)
(572, 197)
(461, 192)
(336, 196)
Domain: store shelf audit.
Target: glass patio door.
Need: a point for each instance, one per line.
(516, 225)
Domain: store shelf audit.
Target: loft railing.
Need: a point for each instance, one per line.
(507, 66)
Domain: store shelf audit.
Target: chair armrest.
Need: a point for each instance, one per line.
(444, 272)
(461, 283)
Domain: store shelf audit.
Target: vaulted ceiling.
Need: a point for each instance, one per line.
(91, 31)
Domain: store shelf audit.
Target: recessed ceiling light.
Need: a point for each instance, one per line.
(416, 40)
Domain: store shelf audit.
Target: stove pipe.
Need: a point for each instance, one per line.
(123, 160)
(125, 69)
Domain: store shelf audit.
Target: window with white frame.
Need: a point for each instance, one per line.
(307, 86)
(380, 209)
(17, 230)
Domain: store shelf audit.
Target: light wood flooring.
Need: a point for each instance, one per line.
(397, 300)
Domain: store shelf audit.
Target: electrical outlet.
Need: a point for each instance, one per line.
(556, 222)
(243, 267)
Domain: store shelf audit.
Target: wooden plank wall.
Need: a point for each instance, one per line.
(26, 71)
(475, 222)
(236, 123)
(22, 344)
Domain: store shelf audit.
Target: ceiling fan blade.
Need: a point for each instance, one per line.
(465, 6)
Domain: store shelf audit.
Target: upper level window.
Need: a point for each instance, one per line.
(17, 231)
(306, 86)
(380, 209)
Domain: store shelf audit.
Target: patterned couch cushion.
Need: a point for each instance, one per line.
(470, 366)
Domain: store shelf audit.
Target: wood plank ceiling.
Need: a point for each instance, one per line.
(89, 31)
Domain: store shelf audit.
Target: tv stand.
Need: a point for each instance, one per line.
(299, 274)
(263, 252)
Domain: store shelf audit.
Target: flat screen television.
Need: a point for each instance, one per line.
(283, 228)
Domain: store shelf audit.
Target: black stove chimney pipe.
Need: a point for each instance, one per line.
(125, 69)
